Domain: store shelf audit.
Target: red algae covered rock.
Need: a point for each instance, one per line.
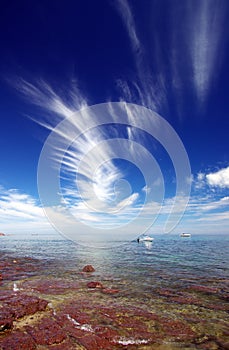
(95, 285)
(14, 269)
(109, 291)
(6, 319)
(52, 286)
(177, 329)
(106, 332)
(21, 305)
(204, 289)
(186, 299)
(164, 292)
(93, 342)
(88, 268)
(65, 345)
(17, 341)
(17, 305)
(47, 332)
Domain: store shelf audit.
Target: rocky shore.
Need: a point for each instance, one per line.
(85, 311)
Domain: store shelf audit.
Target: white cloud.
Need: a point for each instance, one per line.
(18, 205)
(21, 213)
(128, 19)
(145, 89)
(74, 161)
(207, 27)
(219, 178)
(200, 181)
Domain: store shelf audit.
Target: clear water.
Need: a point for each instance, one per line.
(162, 277)
(168, 260)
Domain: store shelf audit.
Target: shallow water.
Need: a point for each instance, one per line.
(196, 257)
(179, 279)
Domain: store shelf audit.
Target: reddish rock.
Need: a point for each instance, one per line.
(88, 268)
(55, 286)
(204, 289)
(166, 292)
(6, 295)
(72, 316)
(14, 306)
(6, 319)
(177, 329)
(17, 340)
(2, 234)
(12, 269)
(21, 305)
(218, 307)
(106, 332)
(65, 345)
(109, 291)
(93, 342)
(95, 285)
(211, 345)
(188, 300)
(47, 332)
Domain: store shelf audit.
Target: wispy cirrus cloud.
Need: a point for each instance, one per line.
(14, 204)
(207, 23)
(196, 46)
(144, 88)
(125, 12)
(88, 172)
(21, 213)
(186, 57)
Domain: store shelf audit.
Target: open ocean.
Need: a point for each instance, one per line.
(185, 279)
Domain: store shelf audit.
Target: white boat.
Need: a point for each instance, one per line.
(145, 238)
(185, 235)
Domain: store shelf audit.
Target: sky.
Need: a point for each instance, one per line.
(114, 118)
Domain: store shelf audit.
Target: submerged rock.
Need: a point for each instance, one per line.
(204, 289)
(109, 291)
(21, 305)
(51, 286)
(17, 340)
(47, 332)
(95, 285)
(177, 329)
(15, 306)
(88, 268)
(6, 319)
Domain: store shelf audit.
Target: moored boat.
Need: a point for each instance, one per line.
(185, 234)
(145, 238)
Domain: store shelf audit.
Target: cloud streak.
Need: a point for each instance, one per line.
(128, 19)
(144, 89)
(193, 56)
(21, 213)
(206, 23)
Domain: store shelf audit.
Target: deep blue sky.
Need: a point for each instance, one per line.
(169, 55)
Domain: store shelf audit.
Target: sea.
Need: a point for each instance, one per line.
(168, 260)
(181, 278)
